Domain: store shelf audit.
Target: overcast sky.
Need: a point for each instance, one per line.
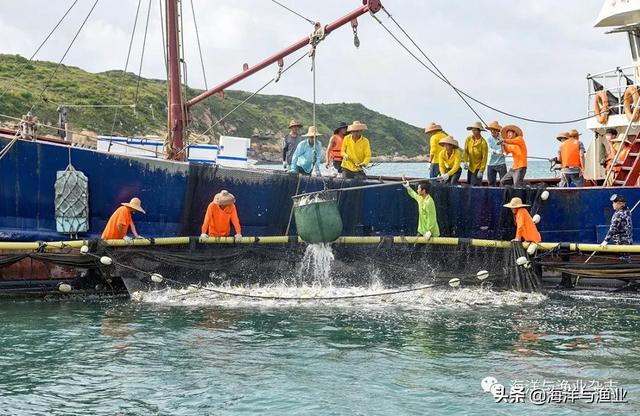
(528, 57)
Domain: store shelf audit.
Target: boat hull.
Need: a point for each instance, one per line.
(175, 196)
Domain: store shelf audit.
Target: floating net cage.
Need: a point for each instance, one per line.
(341, 265)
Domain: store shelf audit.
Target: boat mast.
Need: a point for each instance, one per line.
(176, 113)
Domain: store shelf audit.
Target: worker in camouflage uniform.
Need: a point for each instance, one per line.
(621, 229)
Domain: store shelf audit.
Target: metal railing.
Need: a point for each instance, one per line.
(615, 82)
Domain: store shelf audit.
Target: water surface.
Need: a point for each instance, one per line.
(187, 354)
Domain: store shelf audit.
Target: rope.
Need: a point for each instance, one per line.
(357, 188)
(314, 161)
(293, 206)
(144, 44)
(12, 80)
(8, 147)
(65, 53)
(124, 72)
(294, 12)
(478, 101)
(166, 63)
(195, 24)
(442, 76)
(97, 105)
(220, 120)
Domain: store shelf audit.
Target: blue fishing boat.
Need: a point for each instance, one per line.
(176, 185)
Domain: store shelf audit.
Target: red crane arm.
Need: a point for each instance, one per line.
(368, 5)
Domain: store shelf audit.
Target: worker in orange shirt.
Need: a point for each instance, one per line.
(118, 225)
(622, 156)
(526, 229)
(571, 159)
(513, 143)
(221, 213)
(334, 148)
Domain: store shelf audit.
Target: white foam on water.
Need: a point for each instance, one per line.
(424, 299)
(315, 266)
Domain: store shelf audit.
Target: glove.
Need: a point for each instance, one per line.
(604, 244)
(345, 157)
(479, 175)
(315, 173)
(361, 165)
(237, 237)
(203, 237)
(127, 238)
(285, 165)
(465, 166)
(443, 178)
(405, 184)
(427, 235)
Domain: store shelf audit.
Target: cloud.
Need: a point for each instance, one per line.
(525, 56)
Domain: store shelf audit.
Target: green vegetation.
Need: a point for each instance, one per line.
(264, 116)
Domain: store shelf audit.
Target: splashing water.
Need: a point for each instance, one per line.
(430, 299)
(315, 266)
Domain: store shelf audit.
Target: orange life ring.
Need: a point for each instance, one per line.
(601, 107)
(631, 97)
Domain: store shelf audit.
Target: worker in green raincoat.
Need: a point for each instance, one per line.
(427, 219)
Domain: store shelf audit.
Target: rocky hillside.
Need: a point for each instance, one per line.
(264, 117)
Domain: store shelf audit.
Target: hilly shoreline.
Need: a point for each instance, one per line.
(90, 99)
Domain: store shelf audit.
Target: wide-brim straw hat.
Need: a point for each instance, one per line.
(476, 125)
(620, 139)
(515, 203)
(562, 136)
(449, 140)
(341, 125)
(494, 125)
(223, 198)
(431, 127)
(313, 132)
(573, 133)
(294, 123)
(513, 127)
(357, 126)
(136, 204)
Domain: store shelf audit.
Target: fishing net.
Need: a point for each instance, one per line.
(523, 277)
(345, 265)
(71, 201)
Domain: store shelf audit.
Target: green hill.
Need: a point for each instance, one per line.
(264, 116)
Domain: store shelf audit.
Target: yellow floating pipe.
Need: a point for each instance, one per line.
(445, 241)
(358, 240)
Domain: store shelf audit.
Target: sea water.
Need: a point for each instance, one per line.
(423, 353)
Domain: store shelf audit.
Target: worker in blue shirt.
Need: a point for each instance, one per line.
(306, 158)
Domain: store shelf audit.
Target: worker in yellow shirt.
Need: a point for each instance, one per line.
(356, 152)
(476, 155)
(449, 158)
(434, 134)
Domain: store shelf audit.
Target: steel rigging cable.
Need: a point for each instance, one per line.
(12, 80)
(444, 79)
(46, 86)
(294, 12)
